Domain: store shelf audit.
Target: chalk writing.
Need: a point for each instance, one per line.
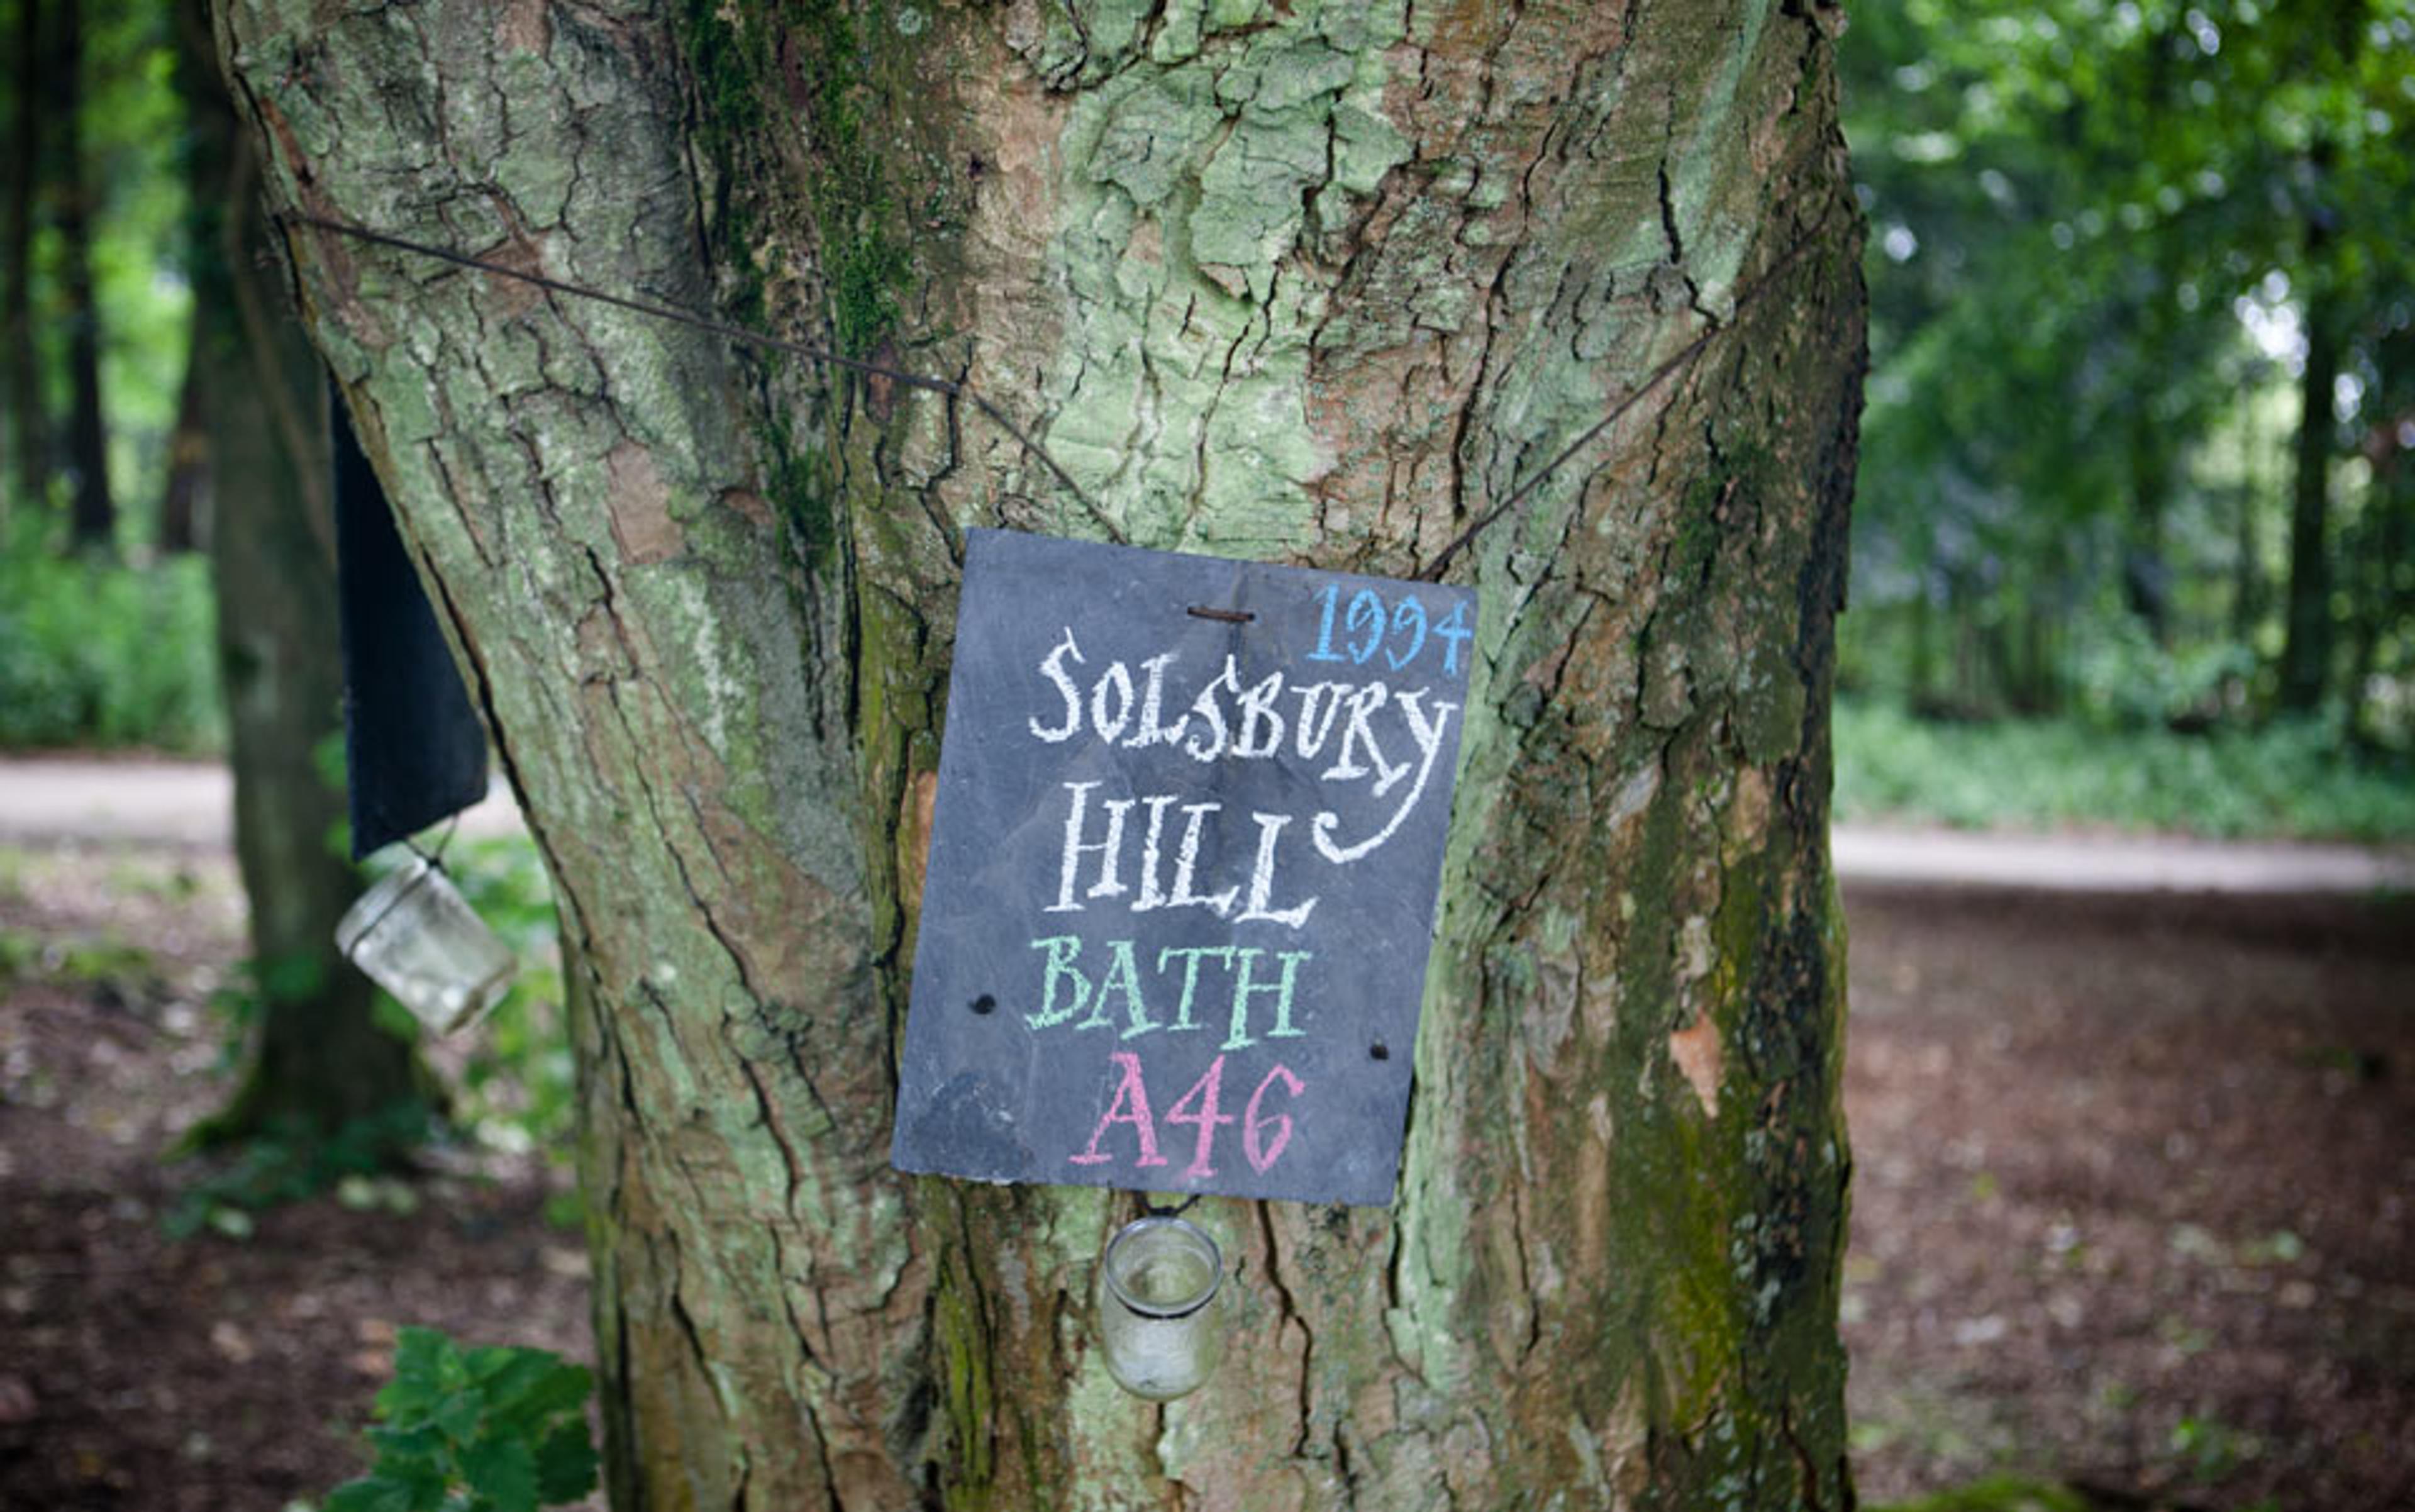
(1190, 817)
(1263, 1135)
(1365, 628)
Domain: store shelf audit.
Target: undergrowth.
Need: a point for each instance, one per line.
(492, 1429)
(97, 653)
(508, 1084)
(289, 1161)
(2284, 781)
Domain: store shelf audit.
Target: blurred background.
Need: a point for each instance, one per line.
(2125, 754)
(2132, 539)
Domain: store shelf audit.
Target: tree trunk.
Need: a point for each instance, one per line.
(320, 1060)
(28, 427)
(2247, 572)
(2146, 570)
(184, 499)
(1305, 282)
(2386, 565)
(92, 519)
(2306, 654)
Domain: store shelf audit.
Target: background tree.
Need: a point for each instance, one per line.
(107, 647)
(92, 511)
(1310, 282)
(320, 1061)
(93, 288)
(28, 426)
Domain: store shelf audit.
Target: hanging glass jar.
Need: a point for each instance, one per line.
(1157, 1307)
(412, 934)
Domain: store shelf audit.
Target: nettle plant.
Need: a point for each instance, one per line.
(494, 1429)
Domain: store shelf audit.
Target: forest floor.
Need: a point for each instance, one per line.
(2131, 1206)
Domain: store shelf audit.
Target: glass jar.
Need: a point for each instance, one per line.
(1157, 1307)
(412, 934)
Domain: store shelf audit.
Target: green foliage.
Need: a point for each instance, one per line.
(493, 1428)
(21, 955)
(2283, 780)
(105, 963)
(94, 653)
(133, 138)
(2211, 1449)
(290, 1161)
(1999, 1493)
(518, 1089)
(2101, 238)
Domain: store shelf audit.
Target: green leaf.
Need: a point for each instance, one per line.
(460, 1415)
(489, 1361)
(531, 1385)
(408, 1398)
(501, 1474)
(413, 1451)
(565, 1462)
(426, 1355)
(563, 1387)
(375, 1493)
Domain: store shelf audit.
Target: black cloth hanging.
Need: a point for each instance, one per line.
(414, 749)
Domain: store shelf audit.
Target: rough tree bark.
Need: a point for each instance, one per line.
(1301, 282)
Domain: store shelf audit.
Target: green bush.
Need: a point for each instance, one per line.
(93, 653)
(488, 1429)
(2284, 781)
(513, 1088)
(518, 1088)
(289, 1163)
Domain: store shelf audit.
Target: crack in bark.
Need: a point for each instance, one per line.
(822, 1456)
(647, 789)
(701, 1358)
(1525, 1274)
(619, 1408)
(1289, 1312)
(789, 1302)
(770, 1122)
(453, 491)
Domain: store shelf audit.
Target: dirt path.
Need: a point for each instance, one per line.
(146, 800)
(2115, 863)
(229, 1371)
(187, 804)
(2133, 1179)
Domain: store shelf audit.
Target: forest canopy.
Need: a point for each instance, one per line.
(2143, 359)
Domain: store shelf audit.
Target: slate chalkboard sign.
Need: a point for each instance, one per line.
(1188, 835)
